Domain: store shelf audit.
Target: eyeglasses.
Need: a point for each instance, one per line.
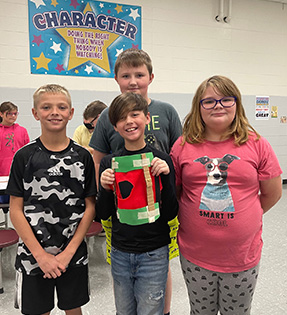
(210, 103)
(10, 114)
(89, 125)
(223, 166)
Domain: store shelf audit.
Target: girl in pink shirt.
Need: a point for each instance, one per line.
(227, 177)
(12, 138)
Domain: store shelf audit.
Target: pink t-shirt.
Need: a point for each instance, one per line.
(220, 214)
(12, 138)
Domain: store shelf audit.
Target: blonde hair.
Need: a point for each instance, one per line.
(194, 127)
(52, 89)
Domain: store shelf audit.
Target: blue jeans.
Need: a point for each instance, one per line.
(139, 281)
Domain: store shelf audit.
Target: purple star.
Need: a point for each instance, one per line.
(60, 68)
(74, 3)
(38, 40)
(135, 46)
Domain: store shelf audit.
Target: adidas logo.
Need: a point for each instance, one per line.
(55, 172)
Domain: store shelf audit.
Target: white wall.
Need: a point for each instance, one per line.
(186, 45)
(185, 42)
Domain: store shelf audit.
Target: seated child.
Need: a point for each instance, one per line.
(91, 114)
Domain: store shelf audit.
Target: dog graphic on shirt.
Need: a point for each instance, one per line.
(216, 195)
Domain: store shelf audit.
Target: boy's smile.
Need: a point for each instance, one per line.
(132, 128)
(134, 79)
(53, 111)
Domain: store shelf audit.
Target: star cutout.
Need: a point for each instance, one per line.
(98, 54)
(56, 47)
(54, 3)
(101, 5)
(119, 8)
(60, 68)
(42, 61)
(134, 14)
(74, 3)
(38, 40)
(119, 51)
(38, 3)
(89, 69)
(78, 56)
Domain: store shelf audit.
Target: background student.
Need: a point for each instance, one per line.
(134, 73)
(83, 133)
(12, 137)
(227, 177)
(140, 237)
(52, 203)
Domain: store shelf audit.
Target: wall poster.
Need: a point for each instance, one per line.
(81, 37)
(262, 108)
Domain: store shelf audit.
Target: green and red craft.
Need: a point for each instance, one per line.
(137, 191)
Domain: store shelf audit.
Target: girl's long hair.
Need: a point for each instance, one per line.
(194, 127)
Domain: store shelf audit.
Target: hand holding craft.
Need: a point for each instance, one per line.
(108, 178)
(159, 166)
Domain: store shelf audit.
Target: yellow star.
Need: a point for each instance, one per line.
(54, 3)
(119, 8)
(42, 61)
(88, 45)
(87, 9)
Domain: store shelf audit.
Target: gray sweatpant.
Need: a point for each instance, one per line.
(210, 292)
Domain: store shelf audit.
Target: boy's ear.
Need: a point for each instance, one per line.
(34, 112)
(148, 118)
(72, 113)
(115, 127)
(151, 78)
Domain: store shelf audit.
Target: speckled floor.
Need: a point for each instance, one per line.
(270, 296)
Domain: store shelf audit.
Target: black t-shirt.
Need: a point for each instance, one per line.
(145, 237)
(53, 186)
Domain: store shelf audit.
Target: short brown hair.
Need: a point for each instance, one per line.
(52, 89)
(133, 58)
(94, 109)
(125, 103)
(7, 106)
(194, 127)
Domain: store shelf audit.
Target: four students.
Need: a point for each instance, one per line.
(52, 187)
